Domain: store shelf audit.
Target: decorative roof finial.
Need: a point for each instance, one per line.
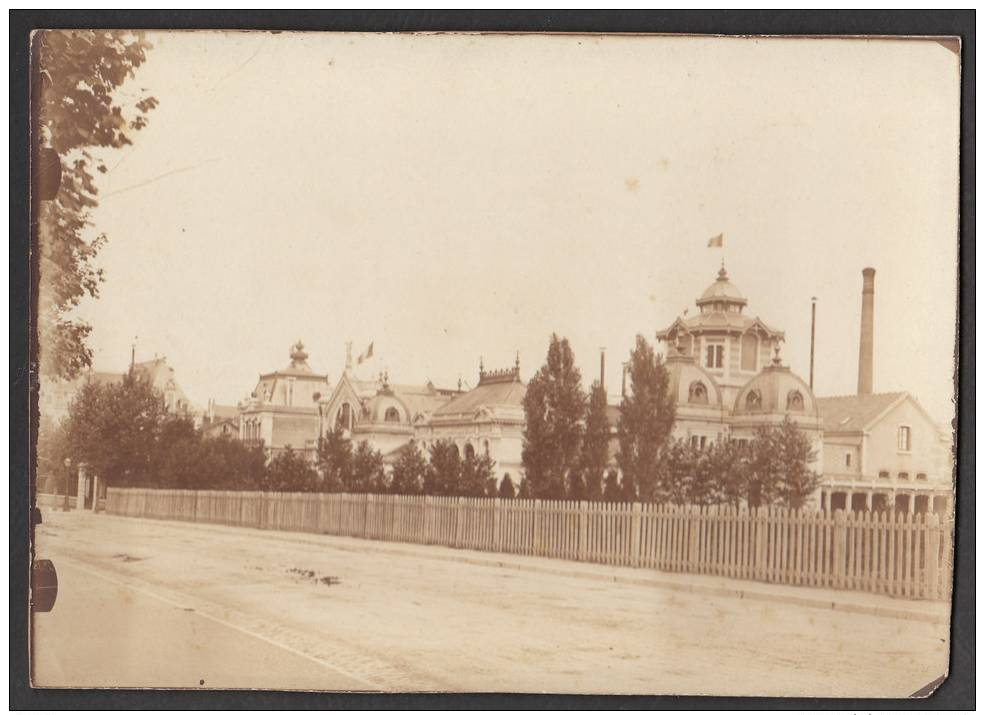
(482, 369)
(776, 353)
(348, 355)
(517, 363)
(298, 355)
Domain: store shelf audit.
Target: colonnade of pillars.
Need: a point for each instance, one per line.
(872, 500)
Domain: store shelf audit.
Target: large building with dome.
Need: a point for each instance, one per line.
(727, 375)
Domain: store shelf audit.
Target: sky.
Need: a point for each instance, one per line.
(451, 197)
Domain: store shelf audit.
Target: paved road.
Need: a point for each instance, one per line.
(104, 633)
(399, 621)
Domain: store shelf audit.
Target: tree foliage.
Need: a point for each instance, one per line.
(555, 406)
(645, 423)
(289, 471)
(595, 446)
(408, 471)
(80, 112)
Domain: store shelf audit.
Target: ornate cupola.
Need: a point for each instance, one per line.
(721, 296)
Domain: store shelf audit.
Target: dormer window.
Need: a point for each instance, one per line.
(698, 393)
(754, 400)
(391, 415)
(795, 401)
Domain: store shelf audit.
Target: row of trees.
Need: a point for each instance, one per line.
(127, 437)
(566, 452)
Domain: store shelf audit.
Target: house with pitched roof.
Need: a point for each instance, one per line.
(883, 451)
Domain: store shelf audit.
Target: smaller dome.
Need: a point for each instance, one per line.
(690, 384)
(722, 290)
(776, 390)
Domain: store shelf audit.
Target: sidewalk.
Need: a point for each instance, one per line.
(830, 599)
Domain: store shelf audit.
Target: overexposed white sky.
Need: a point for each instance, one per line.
(451, 196)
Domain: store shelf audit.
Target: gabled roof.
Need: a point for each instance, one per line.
(855, 413)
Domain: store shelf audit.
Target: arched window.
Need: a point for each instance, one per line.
(392, 415)
(795, 400)
(698, 393)
(344, 418)
(485, 444)
(754, 400)
(469, 451)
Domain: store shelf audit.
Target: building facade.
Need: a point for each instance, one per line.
(488, 419)
(378, 412)
(883, 451)
(282, 410)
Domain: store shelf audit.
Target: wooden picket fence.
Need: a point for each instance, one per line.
(906, 555)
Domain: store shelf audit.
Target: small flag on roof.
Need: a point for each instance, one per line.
(716, 241)
(365, 355)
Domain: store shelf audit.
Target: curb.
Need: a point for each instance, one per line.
(651, 581)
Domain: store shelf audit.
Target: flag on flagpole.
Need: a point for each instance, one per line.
(365, 355)
(716, 241)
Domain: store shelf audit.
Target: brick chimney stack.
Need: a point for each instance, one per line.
(866, 337)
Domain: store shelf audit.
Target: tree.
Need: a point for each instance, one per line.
(595, 445)
(645, 423)
(762, 474)
(79, 113)
(554, 407)
(793, 454)
(289, 471)
(475, 475)
(611, 489)
(724, 470)
(368, 475)
(408, 471)
(114, 429)
(334, 461)
(444, 469)
(506, 488)
(181, 462)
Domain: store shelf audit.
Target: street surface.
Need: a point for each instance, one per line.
(162, 604)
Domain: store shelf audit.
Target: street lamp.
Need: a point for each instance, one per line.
(68, 477)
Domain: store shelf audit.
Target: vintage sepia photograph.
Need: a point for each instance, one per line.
(435, 362)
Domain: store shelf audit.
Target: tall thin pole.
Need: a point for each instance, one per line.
(813, 321)
(602, 368)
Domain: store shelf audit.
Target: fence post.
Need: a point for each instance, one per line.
(759, 519)
(459, 522)
(537, 521)
(931, 550)
(365, 514)
(582, 530)
(838, 556)
(497, 528)
(635, 530)
(692, 517)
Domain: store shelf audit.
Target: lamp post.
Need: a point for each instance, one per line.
(68, 478)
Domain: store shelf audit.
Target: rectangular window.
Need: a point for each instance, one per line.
(715, 356)
(903, 441)
(848, 459)
(904, 476)
(921, 477)
(884, 475)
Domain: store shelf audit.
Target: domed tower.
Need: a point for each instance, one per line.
(772, 396)
(730, 345)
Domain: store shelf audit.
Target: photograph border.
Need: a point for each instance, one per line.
(957, 692)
